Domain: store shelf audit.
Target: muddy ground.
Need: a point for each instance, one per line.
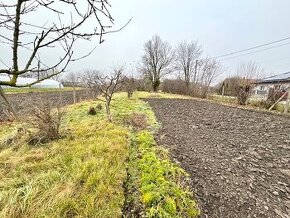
(239, 160)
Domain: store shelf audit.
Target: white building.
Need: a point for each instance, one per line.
(48, 83)
(279, 82)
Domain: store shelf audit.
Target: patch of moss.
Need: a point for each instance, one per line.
(162, 188)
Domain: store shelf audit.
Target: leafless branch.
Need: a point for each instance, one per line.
(186, 61)
(63, 29)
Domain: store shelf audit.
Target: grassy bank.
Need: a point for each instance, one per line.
(78, 176)
(83, 174)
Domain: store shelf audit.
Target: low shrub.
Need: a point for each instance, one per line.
(47, 125)
(138, 121)
(92, 111)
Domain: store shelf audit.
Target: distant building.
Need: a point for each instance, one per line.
(48, 83)
(279, 82)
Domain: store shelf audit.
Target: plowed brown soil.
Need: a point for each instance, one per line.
(239, 160)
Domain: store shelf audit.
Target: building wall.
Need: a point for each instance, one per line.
(261, 91)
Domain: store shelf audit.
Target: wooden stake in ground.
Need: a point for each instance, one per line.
(278, 101)
(286, 108)
(10, 107)
(74, 94)
(223, 91)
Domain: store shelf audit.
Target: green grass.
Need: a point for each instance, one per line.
(36, 90)
(162, 186)
(78, 176)
(82, 174)
(157, 186)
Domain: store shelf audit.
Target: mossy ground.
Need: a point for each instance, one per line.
(83, 174)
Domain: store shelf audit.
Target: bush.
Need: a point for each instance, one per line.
(176, 86)
(272, 98)
(92, 111)
(47, 125)
(243, 95)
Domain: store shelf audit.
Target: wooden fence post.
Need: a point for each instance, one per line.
(286, 108)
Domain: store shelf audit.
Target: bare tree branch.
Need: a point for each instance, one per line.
(61, 31)
(109, 85)
(185, 61)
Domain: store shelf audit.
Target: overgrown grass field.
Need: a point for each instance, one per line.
(83, 174)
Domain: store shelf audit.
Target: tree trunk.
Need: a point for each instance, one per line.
(60, 96)
(187, 87)
(108, 102)
(155, 85)
(10, 107)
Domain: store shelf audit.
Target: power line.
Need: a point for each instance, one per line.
(261, 50)
(252, 48)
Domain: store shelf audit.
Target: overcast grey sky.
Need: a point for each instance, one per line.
(221, 26)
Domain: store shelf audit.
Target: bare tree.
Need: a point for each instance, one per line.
(209, 71)
(157, 60)
(248, 72)
(89, 79)
(29, 37)
(109, 85)
(187, 54)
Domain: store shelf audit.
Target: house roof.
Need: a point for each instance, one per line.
(285, 77)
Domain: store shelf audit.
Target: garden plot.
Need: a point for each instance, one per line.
(239, 160)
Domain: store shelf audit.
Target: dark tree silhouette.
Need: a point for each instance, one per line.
(157, 60)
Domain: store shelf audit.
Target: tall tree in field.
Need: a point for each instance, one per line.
(157, 60)
(187, 54)
(33, 28)
(209, 71)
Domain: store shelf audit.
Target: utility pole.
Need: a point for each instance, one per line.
(195, 71)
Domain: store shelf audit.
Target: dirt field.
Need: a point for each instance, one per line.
(239, 160)
(24, 103)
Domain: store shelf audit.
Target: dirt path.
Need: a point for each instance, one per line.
(239, 160)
